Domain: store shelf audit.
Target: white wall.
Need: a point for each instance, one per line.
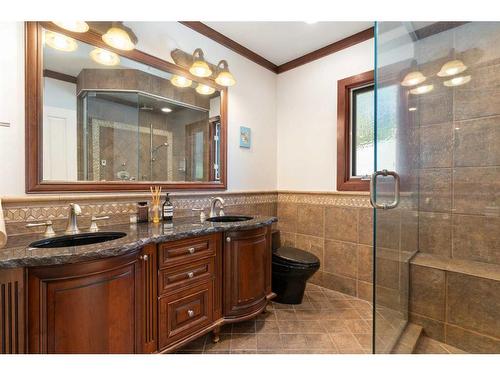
(12, 109)
(307, 118)
(252, 103)
(59, 94)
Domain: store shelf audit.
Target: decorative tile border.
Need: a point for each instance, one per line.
(23, 209)
(20, 211)
(360, 200)
(328, 199)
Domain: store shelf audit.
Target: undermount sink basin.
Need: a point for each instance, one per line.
(77, 239)
(228, 219)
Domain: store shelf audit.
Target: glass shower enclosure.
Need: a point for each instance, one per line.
(437, 159)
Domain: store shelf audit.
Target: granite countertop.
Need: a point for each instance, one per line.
(17, 252)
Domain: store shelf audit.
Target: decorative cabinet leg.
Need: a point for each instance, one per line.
(215, 335)
(264, 311)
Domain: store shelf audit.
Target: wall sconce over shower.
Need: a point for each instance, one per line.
(413, 78)
(457, 81)
(451, 68)
(424, 89)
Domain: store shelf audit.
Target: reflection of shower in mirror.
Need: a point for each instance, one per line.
(155, 150)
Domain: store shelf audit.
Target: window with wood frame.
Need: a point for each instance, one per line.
(355, 132)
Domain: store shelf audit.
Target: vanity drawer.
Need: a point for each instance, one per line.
(186, 250)
(184, 313)
(173, 278)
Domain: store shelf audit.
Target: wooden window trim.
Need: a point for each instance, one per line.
(344, 180)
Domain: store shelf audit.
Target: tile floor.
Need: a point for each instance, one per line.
(326, 322)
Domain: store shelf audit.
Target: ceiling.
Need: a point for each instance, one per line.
(280, 42)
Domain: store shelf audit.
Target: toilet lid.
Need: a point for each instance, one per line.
(294, 255)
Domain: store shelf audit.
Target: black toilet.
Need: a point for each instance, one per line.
(291, 269)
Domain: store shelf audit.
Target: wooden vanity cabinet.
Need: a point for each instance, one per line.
(247, 273)
(101, 306)
(155, 299)
(189, 289)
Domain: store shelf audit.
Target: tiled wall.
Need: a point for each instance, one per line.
(337, 228)
(457, 308)
(459, 208)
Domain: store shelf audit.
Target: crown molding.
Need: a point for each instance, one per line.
(203, 29)
(350, 41)
(328, 50)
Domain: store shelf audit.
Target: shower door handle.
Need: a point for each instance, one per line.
(373, 185)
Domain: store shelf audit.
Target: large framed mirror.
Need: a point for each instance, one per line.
(103, 119)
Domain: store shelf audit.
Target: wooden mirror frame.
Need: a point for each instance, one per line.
(34, 118)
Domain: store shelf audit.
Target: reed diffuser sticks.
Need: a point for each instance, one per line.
(155, 203)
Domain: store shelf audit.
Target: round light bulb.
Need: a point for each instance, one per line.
(74, 26)
(200, 69)
(166, 110)
(60, 42)
(422, 89)
(180, 81)
(225, 78)
(413, 78)
(204, 89)
(457, 81)
(118, 38)
(104, 57)
(451, 68)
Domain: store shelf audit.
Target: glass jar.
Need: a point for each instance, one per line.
(155, 214)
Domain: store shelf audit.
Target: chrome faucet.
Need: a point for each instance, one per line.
(74, 211)
(213, 203)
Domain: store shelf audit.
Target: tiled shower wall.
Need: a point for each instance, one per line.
(455, 291)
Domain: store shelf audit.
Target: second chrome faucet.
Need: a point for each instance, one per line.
(213, 204)
(72, 226)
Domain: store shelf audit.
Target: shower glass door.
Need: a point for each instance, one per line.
(394, 188)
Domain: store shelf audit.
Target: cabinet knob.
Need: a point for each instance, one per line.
(190, 313)
(191, 250)
(190, 275)
(228, 239)
(144, 257)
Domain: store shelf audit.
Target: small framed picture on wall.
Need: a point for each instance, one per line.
(245, 137)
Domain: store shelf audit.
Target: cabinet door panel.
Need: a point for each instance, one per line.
(250, 264)
(247, 272)
(92, 314)
(102, 306)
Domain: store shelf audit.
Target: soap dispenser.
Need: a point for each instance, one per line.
(167, 209)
